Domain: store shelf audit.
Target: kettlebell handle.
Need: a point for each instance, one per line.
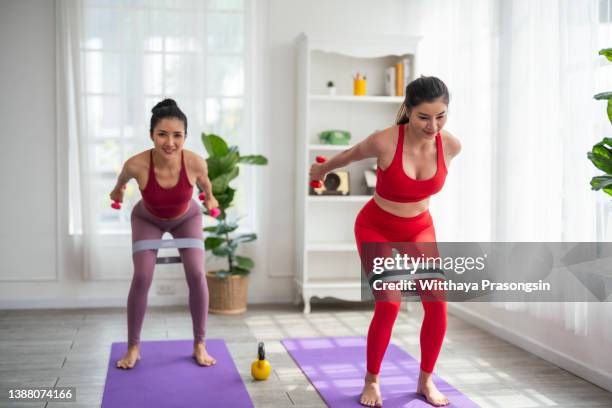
(261, 353)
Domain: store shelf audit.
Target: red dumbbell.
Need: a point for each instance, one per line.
(215, 212)
(116, 204)
(317, 183)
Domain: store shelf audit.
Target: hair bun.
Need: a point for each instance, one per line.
(165, 103)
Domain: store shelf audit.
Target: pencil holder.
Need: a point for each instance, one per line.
(359, 87)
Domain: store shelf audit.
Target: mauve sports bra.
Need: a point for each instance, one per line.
(167, 202)
(394, 184)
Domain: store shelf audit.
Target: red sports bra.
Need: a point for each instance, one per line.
(395, 185)
(167, 202)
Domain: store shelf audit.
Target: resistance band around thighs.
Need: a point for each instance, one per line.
(178, 243)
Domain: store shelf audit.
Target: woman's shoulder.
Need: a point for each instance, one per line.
(139, 159)
(193, 160)
(386, 138)
(451, 143)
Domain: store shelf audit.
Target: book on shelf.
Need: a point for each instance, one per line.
(397, 77)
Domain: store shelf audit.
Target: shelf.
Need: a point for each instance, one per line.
(331, 247)
(353, 98)
(328, 147)
(340, 199)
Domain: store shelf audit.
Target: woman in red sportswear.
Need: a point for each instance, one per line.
(412, 159)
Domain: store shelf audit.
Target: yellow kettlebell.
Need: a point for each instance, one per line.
(260, 369)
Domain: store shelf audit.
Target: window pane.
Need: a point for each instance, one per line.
(604, 11)
(142, 30)
(152, 74)
(102, 72)
(178, 68)
(107, 157)
(102, 28)
(225, 76)
(225, 118)
(183, 31)
(226, 4)
(225, 32)
(103, 116)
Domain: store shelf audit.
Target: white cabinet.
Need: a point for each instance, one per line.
(327, 262)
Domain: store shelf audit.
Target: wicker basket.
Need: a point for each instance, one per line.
(227, 296)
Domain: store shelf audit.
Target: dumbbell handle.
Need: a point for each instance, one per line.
(317, 183)
(116, 204)
(215, 212)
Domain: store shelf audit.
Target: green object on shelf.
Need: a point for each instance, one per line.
(335, 137)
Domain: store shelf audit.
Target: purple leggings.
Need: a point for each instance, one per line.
(147, 226)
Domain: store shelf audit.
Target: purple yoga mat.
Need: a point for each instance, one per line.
(167, 376)
(336, 366)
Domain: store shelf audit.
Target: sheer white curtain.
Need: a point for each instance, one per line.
(459, 46)
(117, 60)
(548, 120)
(70, 123)
(522, 74)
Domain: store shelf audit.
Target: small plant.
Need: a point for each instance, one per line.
(601, 154)
(223, 167)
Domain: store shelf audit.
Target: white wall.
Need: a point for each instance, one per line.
(29, 179)
(40, 247)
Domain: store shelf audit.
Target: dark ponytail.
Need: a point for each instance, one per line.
(167, 109)
(423, 89)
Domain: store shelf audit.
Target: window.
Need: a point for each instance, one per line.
(137, 52)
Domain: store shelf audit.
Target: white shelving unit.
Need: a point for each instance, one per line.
(327, 261)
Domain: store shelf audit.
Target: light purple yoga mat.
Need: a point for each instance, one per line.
(167, 376)
(336, 366)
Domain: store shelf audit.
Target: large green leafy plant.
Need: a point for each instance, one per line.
(223, 167)
(601, 154)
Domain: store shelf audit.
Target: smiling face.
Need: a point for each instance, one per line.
(428, 118)
(168, 137)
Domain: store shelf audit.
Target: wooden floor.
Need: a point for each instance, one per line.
(71, 348)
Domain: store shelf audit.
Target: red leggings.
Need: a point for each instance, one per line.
(373, 224)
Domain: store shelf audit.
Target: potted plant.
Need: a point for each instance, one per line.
(601, 154)
(228, 286)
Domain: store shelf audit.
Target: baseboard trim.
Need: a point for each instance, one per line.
(595, 376)
(112, 302)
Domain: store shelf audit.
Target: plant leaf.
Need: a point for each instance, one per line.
(215, 145)
(599, 182)
(212, 243)
(244, 262)
(225, 199)
(218, 165)
(254, 159)
(212, 228)
(610, 111)
(221, 182)
(603, 96)
(237, 270)
(224, 250)
(601, 156)
(245, 238)
(224, 228)
(606, 52)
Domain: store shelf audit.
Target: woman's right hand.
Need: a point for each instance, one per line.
(317, 172)
(117, 195)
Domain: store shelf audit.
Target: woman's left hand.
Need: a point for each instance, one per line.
(210, 202)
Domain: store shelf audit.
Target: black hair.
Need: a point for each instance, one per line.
(167, 109)
(423, 89)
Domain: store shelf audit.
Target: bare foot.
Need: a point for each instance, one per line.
(428, 389)
(370, 396)
(129, 358)
(201, 356)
